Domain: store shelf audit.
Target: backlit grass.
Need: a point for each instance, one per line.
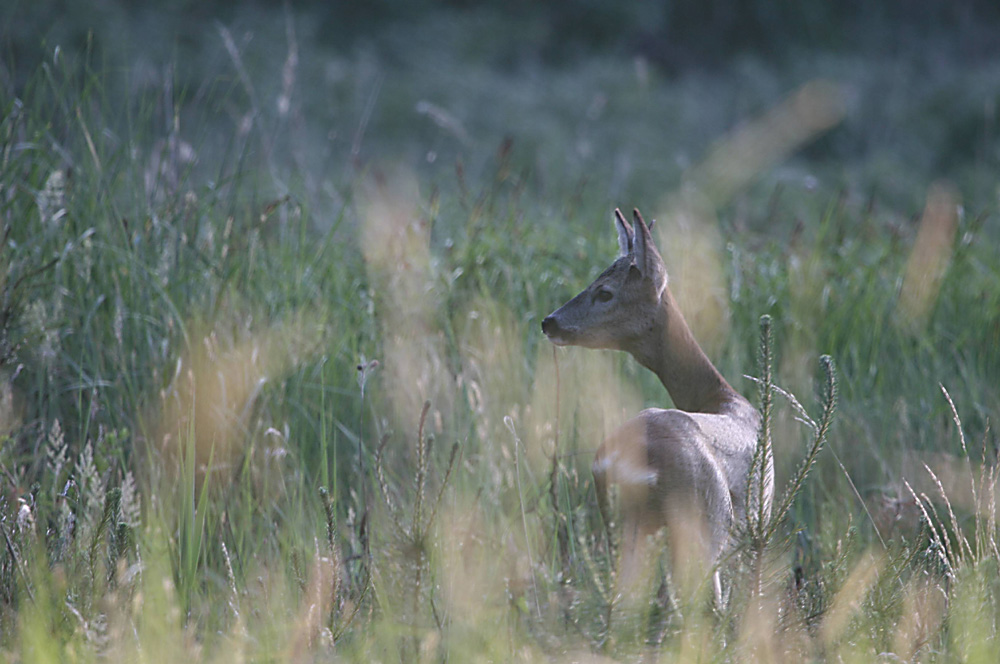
(270, 397)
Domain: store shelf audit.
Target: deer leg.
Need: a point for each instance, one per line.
(719, 504)
(604, 507)
(637, 559)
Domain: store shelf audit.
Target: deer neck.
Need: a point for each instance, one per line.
(672, 353)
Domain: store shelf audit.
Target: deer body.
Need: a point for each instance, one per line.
(674, 464)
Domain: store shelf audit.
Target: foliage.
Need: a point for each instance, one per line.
(274, 397)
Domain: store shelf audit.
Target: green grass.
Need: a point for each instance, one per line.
(194, 465)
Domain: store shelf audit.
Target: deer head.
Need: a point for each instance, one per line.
(618, 310)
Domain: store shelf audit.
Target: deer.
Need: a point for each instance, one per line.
(668, 464)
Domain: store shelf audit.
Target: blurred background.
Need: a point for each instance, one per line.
(446, 77)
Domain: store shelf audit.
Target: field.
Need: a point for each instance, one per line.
(273, 385)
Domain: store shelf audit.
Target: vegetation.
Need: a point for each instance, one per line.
(272, 384)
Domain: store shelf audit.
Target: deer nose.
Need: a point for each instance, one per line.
(549, 326)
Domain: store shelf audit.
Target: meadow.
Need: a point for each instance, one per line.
(274, 386)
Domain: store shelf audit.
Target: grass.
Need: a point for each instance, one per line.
(272, 396)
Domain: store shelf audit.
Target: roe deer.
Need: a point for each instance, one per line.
(692, 460)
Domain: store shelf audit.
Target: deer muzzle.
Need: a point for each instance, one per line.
(554, 331)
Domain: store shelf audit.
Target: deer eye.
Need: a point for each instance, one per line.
(603, 295)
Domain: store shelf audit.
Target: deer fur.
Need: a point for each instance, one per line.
(685, 467)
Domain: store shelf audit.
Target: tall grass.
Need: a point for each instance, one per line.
(249, 411)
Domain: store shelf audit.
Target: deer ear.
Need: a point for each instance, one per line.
(647, 258)
(625, 234)
(643, 240)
